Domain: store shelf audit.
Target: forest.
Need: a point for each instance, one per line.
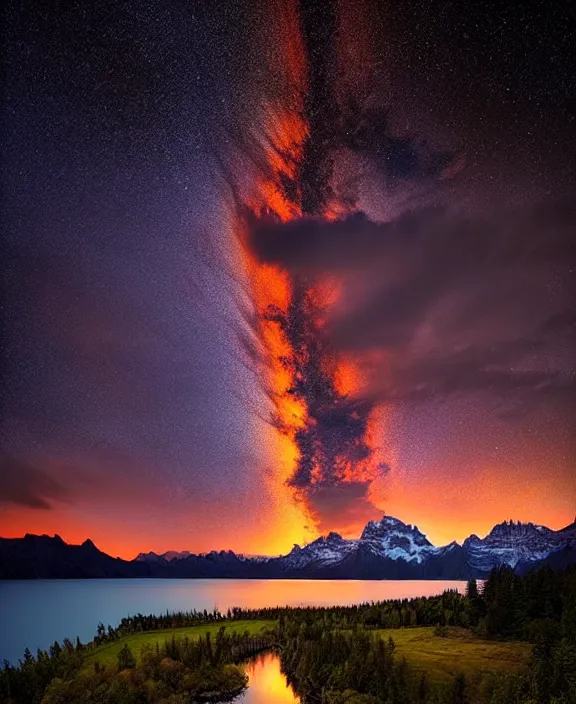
(331, 655)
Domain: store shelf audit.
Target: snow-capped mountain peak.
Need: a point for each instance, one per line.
(395, 540)
(511, 543)
(326, 550)
(451, 546)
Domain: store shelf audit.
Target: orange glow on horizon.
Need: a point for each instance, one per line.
(444, 511)
(430, 508)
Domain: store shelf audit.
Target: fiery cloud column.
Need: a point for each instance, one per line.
(329, 454)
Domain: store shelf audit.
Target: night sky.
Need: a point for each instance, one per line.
(404, 170)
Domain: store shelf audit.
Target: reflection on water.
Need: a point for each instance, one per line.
(266, 683)
(34, 614)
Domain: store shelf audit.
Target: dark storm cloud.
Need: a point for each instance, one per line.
(342, 506)
(458, 303)
(315, 245)
(399, 159)
(24, 484)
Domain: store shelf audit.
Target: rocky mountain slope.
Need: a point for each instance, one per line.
(386, 549)
(517, 543)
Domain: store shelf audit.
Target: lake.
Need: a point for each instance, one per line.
(35, 613)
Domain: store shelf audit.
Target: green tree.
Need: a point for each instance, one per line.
(126, 660)
(459, 690)
(472, 589)
(423, 689)
(568, 622)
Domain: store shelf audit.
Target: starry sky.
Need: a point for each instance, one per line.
(133, 409)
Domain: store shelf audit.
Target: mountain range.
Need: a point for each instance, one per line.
(386, 549)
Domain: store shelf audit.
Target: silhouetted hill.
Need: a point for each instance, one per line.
(43, 557)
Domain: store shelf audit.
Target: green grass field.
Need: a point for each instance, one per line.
(443, 657)
(107, 654)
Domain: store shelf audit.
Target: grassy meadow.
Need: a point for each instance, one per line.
(460, 651)
(107, 654)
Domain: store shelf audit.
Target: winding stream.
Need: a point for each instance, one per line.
(267, 684)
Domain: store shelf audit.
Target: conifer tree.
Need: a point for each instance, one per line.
(126, 660)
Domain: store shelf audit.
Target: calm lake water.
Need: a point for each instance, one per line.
(35, 613)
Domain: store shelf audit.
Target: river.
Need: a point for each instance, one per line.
(35, 613)
(266, 683)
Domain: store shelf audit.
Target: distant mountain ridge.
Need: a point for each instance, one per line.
(386, 549)
(42, 557)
